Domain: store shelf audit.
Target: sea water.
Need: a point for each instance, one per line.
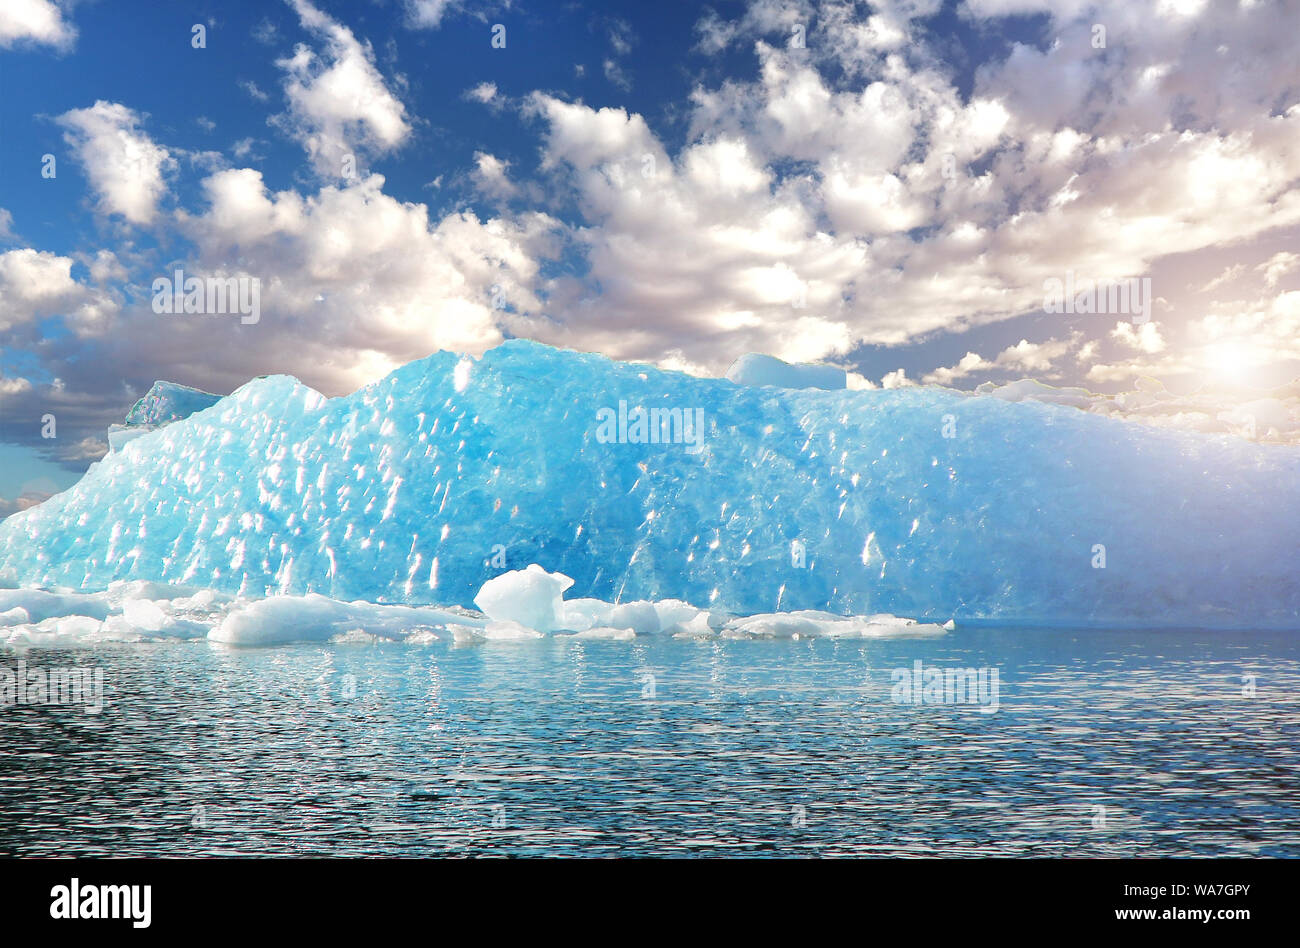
(1103, 743)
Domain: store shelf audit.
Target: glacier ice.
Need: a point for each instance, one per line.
(755, 368)
(922, 502)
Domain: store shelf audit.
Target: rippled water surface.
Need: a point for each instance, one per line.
(1104, 743)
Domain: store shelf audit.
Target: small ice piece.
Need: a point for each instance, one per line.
(531, 597)
(144, 615)
(583, 614)
(15, 616)
(602, 633)
(277, 620)
(503, 630)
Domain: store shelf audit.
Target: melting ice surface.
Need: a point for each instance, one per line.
(804, 512)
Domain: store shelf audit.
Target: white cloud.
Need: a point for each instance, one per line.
(1145, 338)
(123, 164)
(252, 88)
(428, 14)
(970, 362)
(39, 22)
(849, 193)
(491, 176)
(1278, 266)
(35, 284)
(484, 92)
(339, 103)
(1024, 356)
(896, 379)
(616, 74)
(355, 282)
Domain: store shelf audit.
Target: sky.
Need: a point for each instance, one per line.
(895, 188)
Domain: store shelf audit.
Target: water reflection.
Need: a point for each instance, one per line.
(1106, 744)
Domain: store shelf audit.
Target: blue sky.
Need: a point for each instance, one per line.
(888, 187)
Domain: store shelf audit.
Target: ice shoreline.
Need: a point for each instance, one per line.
(142, 611)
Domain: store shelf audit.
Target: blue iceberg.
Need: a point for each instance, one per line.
(642, 484)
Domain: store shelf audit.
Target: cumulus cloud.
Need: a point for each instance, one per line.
(491, 177)
(351, 270)
(35, 284)
(1024, 356)
(38, 22)
(339, 104)
(123, 164)
(856, 191)
(1145, 338)
(889, 205)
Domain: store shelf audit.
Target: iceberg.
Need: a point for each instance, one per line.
(421, 488)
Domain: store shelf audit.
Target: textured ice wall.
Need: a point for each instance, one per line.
(422, 486)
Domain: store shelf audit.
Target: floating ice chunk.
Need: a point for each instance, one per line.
(501, 630)
(126, 612)
(601, 633)
(531, 597)
(674, 615)
(639, 618)
(582, 614)
(140, 610)
(15, 616)
(144, 614)
(55, 632)
(40, 604)
(277, 620)
(813, 624)
(756, 369)
(699, 627)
